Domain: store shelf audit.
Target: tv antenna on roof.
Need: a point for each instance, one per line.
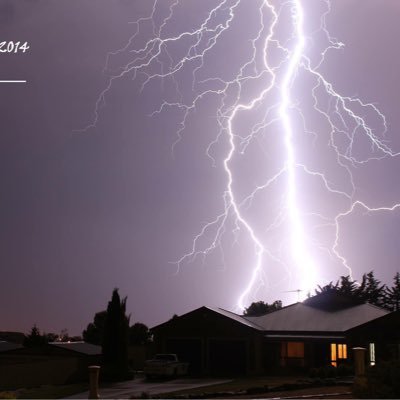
(295, 291)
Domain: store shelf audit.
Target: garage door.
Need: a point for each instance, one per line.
(227, 357)
(188, 350)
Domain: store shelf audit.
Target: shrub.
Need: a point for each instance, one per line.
(382, 382)
(344, 370)
(8, 395)
(330, 371)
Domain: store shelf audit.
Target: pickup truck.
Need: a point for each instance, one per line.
(165, 365)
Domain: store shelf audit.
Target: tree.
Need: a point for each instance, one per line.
(52, 337)
(330, 287)
(260, 308)
(348, 286)
(63, 336)
(371, 290)
(139, 334)
(35, 339)
(95, 330)
(115, 339)
(393, 294)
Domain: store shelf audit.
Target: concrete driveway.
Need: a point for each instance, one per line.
(124, 390)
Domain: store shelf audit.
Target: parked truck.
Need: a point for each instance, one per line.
(165, 365)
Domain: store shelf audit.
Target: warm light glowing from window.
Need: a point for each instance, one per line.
(295, 349)
(338, 352)
(333, 354)
(372, 353)
(342, 351)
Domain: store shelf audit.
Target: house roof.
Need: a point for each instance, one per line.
(79, 347)
(220, 311)
(304, 318)
(238, 318)
(326, 315)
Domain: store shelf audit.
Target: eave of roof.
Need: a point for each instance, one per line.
(303, 337)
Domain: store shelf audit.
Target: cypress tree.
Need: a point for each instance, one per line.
(393, 294)
(371, 290)
(115, 339)
(347, 286)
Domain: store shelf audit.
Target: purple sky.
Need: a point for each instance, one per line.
(84, 212)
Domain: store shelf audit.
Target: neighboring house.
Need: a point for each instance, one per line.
(80, 347)
(6, 346)
(12, 337)
(54, 363)
(319, 331)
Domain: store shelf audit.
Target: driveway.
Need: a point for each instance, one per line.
(124, 390)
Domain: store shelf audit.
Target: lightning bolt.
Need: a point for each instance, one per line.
(278, 87)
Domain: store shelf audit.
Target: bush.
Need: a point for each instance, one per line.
(323, 372)
(345, 370)
(8, 395)
(313, 372)
(329, 371)
(382, 382)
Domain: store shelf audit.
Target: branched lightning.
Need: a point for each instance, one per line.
(268, 87)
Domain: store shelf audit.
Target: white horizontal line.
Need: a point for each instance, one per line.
(10, 81)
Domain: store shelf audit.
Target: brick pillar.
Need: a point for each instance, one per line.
(360, 380)
(94, 382)
(359, 360)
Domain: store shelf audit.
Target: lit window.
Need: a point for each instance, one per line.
(338, 352)
(292, 354)
(342, 351)
(333, 354)
(295, 349)
(372, 353)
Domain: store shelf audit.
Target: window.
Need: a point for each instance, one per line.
(338, 352)
(372, 354)
(295, 350)
(292, 354)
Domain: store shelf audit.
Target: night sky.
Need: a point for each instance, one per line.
(90, 203)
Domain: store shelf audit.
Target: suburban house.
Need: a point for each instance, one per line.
(320, 331)
(7, 346)
(53, 363)
(12, 337)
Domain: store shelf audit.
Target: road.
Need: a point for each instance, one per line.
(127, 389)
